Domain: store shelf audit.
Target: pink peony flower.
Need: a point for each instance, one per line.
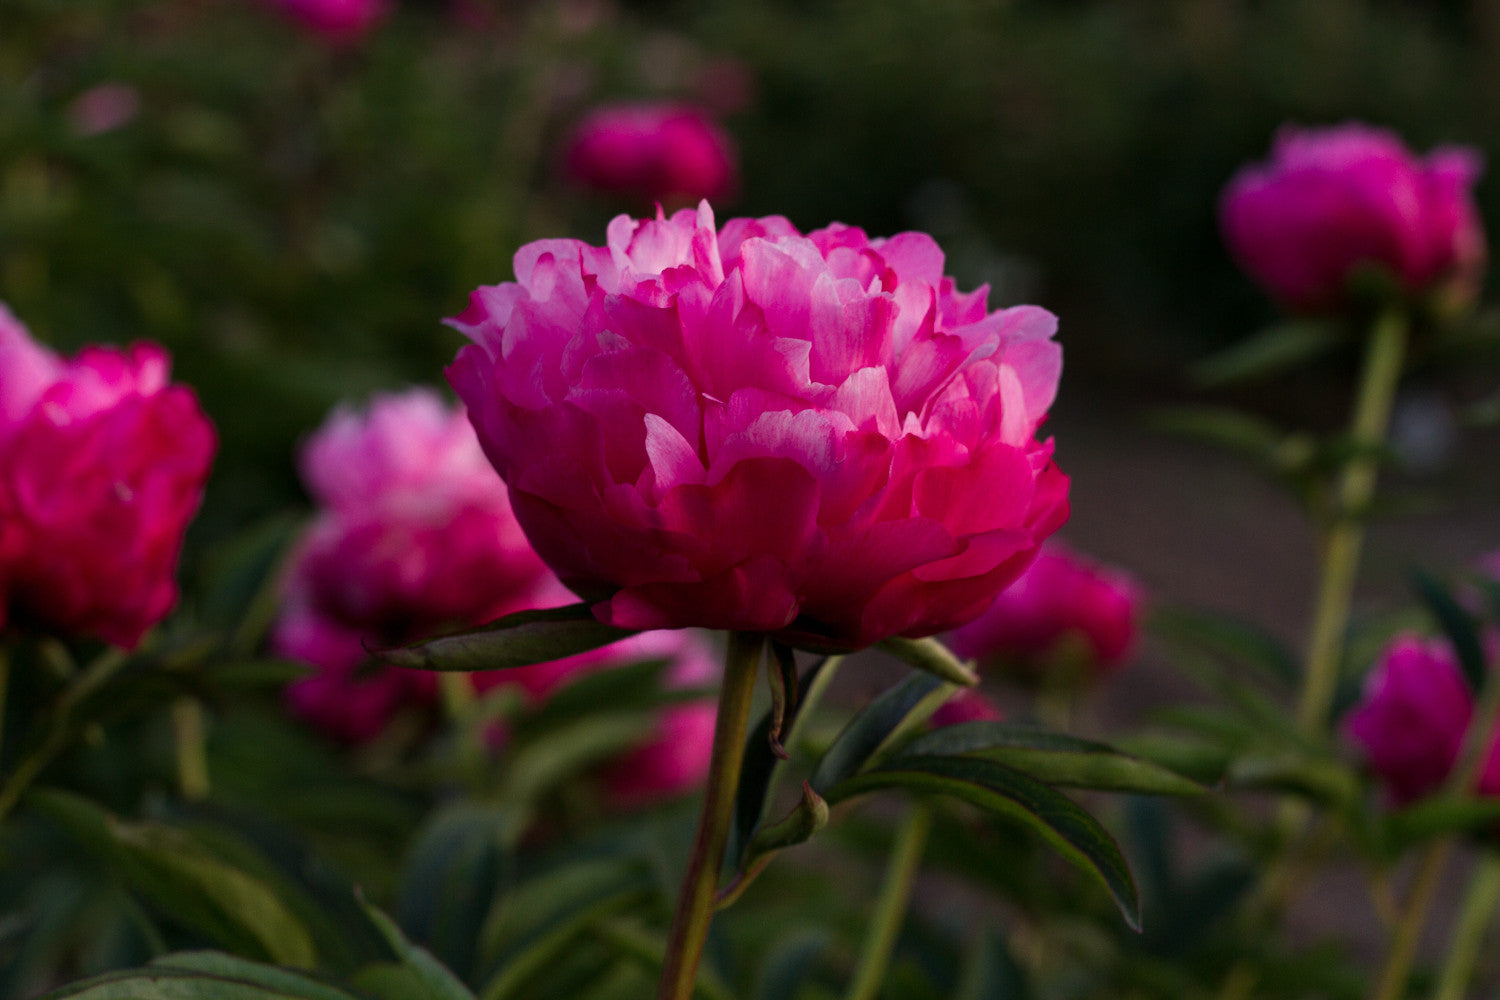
(102, 465)
(339, 22)
(1333, 199)
(674, 759)
(415, 534)
(1412, 719)
(812, 436)
(658, 152)
(1060, 594)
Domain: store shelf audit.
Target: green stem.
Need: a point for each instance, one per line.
(695, 903)
(890, 908)
(1468, 936)
(96, 676)
(1383, 361)
(192, 751)
(1385, 354)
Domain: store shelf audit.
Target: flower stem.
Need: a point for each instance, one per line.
(192, 754)
(1383, 361)
(1473, 921)
(695, 903)
(890, 908)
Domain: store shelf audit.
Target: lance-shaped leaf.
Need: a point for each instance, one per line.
(1271, 350)
(414, 973)
(873, 726)
(996, 788)
(933, 657)
(1457, 624)
(283, 982)
(180, 876)
(249, 981)
(1441, 815)
(781, 672)
(1243, 642)
(1056, 758)
(519, 640)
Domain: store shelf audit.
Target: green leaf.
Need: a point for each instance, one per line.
(627, 687)
(415, 973)
(781, 672)
(1201, 760)
(1441, 815)
(216, 963)
(1065, 825)
(1267, 352)
(932, 656)
(760, 764)
(1222, 427)
(162, 983)
(1229, 638)
(1056, 758)
(1324, 779)
(545, 901)
(518, 640)
(789, 963)
(873, 726)
(186, 881)
(1457, 624)
(459, 858)
(990, 971)
(545, 762)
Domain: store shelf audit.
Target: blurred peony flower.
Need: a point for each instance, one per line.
(415, 534)
(968, 705)
(1333, 199)
(1411, 721)
(104, 108)
(658, 152)
(1061, 594)
(339, 22)
(102, 465)
(812, 436)
(674, 759)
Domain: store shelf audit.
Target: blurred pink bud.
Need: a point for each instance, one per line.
(414, 535)
(339, 22)
(1061, 594)
(102, 466)
(969, 705)
(812, 436)
(1412, 719)
(104, 108)
(674, 759)
(658, 152)
(1333, 199)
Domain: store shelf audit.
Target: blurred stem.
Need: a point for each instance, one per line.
(192, 752)
(1463, 779)
(1384, 357)
(1468, 936)
(890, 908)
(59, 730)
(4, 690)
(695, 903)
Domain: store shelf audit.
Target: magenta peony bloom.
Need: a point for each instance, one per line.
(414, 535)
(1412, 719)
(104, 108)
(102, 465)
(658, 152)
(1060, 594)
(674, 759)
(1333, 199)
(812, 436)
(338, 22)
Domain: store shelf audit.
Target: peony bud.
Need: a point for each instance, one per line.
(657, 152)
(1332, 201)
(1412, 719)
(812, 436)
(1060, 595)
(968, 705)
(102, 466)
(338, 22)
